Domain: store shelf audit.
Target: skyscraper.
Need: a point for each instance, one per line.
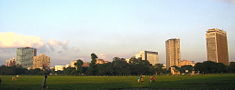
(152, 57)
(24, 56)
(217, 46)
(172, 52)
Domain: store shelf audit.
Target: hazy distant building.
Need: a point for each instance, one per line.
(85, 64)
(101, 61)
(24, 56)
(59, 67)
(128, 60)
(152, 57)
(72, 63)
(186, 62)
(172, 52)
(217, 46)
(10, 62)
(41, 61)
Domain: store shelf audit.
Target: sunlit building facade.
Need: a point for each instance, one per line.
(217, 46)
(10, 62)
(172, 52)
(186, 62)
(41, 61)
(150, 56)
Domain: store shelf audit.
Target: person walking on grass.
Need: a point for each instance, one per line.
(140, 79)
(44, 86)
(0, 81)
(152, 79)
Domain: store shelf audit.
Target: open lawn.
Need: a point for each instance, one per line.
(119, 82)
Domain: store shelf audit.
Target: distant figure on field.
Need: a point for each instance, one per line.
(0, 81)
(44, 86)
(152, 79)
(140, 79)
(13, 78)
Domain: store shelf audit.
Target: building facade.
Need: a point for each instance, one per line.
(100, 61)
(152, 57)
(186, 62)
(10, 62)
(24, 56)
(217, 46)
(172, 52)
(59, 67)
(41, 61)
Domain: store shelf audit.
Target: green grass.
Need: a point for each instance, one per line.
(115, 82)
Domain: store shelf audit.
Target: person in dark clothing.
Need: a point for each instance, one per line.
(44, 86)
(0, 81)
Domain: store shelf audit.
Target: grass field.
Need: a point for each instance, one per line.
(117, 82)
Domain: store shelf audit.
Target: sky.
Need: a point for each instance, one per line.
(67, 30)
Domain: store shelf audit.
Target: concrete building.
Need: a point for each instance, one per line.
(59, 67)
(217, 46)
(41, 61)
(10, 62)
(186, 62)
(24, 56)
(72, 63)
(101, 61)
(172, 52)
(152, 57)
(86, 64)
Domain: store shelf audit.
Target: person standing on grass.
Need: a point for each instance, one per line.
(0, 81)
(152, 79)
(141, 79)
(44, 86)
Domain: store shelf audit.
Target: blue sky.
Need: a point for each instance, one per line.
(71, 29)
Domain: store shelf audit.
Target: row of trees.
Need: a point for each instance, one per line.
(119, 66)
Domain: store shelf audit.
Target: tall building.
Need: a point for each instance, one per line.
(24, 56)
(152, 57)
(41, 61)
(217, 46)
(172, 52)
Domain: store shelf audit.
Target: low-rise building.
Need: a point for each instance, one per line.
(85, 64)
(101, 61)
(41, 61)
(186, 62)
(59, 67)
(150, 56)
(10, 62)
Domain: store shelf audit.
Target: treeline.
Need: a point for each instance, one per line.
(119, 66)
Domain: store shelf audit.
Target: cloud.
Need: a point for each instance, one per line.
(13, 40)
(59, 51)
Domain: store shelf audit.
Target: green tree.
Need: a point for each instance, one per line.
(120, 66)
(93, 59)
(92, 70)
(232, 67)
(186, 69)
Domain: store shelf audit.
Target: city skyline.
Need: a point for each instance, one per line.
(67, 30)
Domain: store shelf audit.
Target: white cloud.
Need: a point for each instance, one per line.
(13, 40)
(59, 51)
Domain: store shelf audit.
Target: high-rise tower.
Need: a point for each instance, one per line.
(217, 46)
(24, 56)
(172, 52)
